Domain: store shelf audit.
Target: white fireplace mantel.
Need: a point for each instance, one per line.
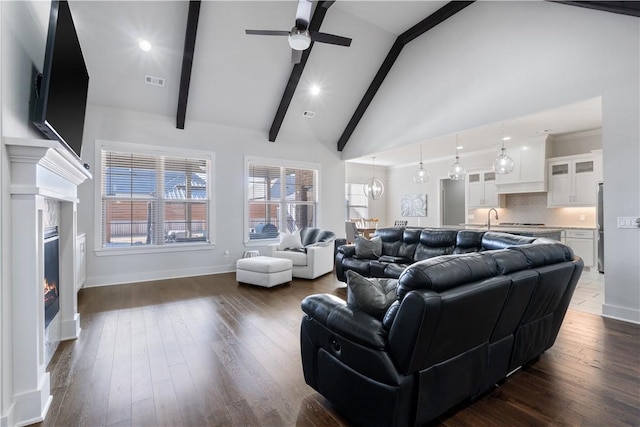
(42, 166)
(40, 170)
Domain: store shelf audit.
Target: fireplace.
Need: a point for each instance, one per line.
(51, 275)
(43, 173)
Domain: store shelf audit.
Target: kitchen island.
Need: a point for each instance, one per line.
(530, 231)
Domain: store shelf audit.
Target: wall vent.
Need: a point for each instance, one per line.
(309, 114)
(155, 81)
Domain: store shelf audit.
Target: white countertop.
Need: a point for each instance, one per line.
(529, 227)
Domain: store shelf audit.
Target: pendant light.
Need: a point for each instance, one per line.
(373, 188)
(503, 164)
(422, 175)
(457, 172)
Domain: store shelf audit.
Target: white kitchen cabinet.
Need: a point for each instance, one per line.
(573, 180)
(529, 171)
(81, 261)
(481, 190)
(582, 242)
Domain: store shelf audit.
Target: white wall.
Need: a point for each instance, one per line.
(230, 145)
(23, 27)
(575, 143)
(496, 61)
(401, 183)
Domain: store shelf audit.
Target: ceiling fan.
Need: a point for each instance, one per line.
(300, 37)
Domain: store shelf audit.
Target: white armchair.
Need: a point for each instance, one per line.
(314, 255)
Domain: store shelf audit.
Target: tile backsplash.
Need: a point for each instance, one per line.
(532, 208)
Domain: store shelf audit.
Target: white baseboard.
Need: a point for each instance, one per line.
(145, 276)
(621, 313)
(70, 329)
(31, 407)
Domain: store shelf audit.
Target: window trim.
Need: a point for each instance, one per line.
(267, 161)
(154, 151)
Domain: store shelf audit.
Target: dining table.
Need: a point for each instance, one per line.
(366, 232)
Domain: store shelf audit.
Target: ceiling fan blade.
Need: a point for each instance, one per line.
(303, 14)
(330, 39)
(267, 32)
(296, 56)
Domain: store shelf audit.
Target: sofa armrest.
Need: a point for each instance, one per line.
(271, 249)
(349, 322)
(349, 251)
(319, 260)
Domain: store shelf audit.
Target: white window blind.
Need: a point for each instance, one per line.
(150, 199)
(280, 198)
(357, 204)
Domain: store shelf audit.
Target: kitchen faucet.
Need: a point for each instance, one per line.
(489, 217)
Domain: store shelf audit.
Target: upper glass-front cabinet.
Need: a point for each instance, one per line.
(573, 180)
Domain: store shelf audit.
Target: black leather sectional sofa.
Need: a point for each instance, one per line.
(402, 247)
(460, 324)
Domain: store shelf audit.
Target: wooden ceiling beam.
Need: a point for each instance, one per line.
(187, 61)
(439, 16)
(296, 72)
(631, 8)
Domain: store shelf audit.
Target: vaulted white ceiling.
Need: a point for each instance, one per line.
(238, 80)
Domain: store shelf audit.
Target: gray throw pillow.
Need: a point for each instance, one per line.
(369, 294)
(368, 249)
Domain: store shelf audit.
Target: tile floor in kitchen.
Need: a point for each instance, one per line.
(589, 294)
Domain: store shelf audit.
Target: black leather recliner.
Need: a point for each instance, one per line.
(460, 324)
(402, 247)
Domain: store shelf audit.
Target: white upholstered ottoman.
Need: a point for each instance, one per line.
(264, 271)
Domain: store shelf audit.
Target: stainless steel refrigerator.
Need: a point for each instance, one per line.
(600, 227)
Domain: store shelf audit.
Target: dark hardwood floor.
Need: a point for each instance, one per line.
(205, 351)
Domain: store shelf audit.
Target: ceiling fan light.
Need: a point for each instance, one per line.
(299, 39)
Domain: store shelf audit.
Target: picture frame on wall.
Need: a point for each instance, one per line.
(413, 205)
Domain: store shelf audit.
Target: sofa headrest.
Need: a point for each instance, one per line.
(469, 239)
(508, 261)
(545, 253)
(411, 235)
(318, 236)
(390, 234)
(445, 272)
(496, 240)
(436, 238)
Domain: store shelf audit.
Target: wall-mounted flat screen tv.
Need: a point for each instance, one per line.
(61, 88)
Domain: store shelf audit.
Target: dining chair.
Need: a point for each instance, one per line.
(351, 231)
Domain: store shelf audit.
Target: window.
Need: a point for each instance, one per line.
(150, 199)
(357, 204)
(279, 198)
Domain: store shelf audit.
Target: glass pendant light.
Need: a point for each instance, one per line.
(503, 164)
(457, 172)
(422, 175)
(373, 188)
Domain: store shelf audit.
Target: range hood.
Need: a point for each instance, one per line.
(529, 174)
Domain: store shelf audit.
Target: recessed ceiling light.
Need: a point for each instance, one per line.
(144, 45)
(315, 89)
(506, 138)
(459, 147)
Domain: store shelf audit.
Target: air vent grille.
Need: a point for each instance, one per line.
(155, 81)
